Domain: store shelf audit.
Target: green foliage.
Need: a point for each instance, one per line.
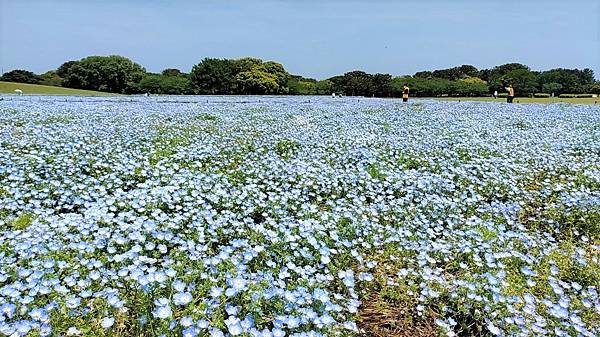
(286, 148)
(253, 76)
(172, 72)
(570, 80)
(593, 88)
(214, 76)
(21, 222)
(21, 76)
(375, 172)
(51, 78)
(541, 95)
(359, 83)
(432, 87)
(244, 76)
(552, 87)
(298, 85)
(454, 74)
(64, 68)
(524, 81)
(256, 82)
(114, 73)
(165, 84)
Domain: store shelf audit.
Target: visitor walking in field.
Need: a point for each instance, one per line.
(511, 93)
(405, 92)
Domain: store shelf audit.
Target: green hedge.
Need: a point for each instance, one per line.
(576, 96)
(541, 95)
(503, 95)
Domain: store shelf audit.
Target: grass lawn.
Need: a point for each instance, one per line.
(526, 100)
(36, 89)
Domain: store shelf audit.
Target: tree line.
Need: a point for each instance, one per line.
(253, 76)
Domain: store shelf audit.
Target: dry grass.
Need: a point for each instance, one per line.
(378, 317)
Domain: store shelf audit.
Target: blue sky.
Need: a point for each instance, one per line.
(313, 38)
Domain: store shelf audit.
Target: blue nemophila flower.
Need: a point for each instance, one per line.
(107, 322)
(216, 291)
(189, 332)
(73, 302)
(163, 308)
(162, 312)
(186, 321)
(179, 285)
(73, 331)
(182, 298)
(8, 309)
(233, 325)
(216, 333)
(282, 201)
(347, 277)
(493, 329)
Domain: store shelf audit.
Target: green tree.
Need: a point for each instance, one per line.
(354, 83)
(381, 85)
(552, 88)
(243, 76)
(323, 87)
(214, 76)
(256, 82)
(586, 76)
(172, 72)
(165, 85)
(571, 80)
(455, 73)
(248, 64)
(298, 85)
(256, 76)
(103, 73)
(279, 71)
(51, 78)
(20, 76)
(473, 86)
(63, 70)
(424, 74)
(593, 88)
(524, 81)
(496, 75)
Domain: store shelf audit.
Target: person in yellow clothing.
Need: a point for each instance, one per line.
(511, 93)
(405, 92)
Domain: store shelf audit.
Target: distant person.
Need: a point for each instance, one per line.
(495, 94)
(511, 93)
(405, 92)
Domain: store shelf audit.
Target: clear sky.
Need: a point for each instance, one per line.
(310, 37)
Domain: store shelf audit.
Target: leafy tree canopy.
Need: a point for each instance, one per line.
(21, 76)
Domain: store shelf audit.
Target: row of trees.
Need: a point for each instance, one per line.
(251, 76)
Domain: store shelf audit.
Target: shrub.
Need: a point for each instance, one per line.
(567, 96)
(20, 76)
(541, 95)
(585, 96)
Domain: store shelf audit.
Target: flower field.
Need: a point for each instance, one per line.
(272, 217)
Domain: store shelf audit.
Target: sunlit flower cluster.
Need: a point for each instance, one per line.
(273, 217)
